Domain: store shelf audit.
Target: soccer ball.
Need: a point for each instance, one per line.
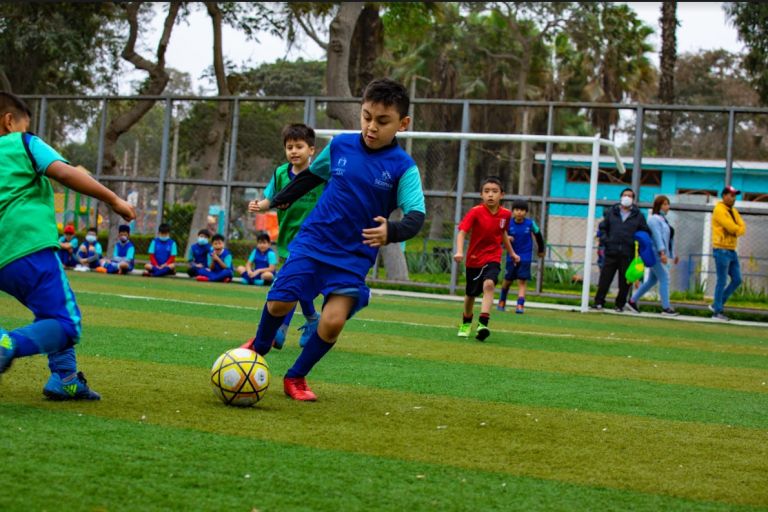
(240, 377)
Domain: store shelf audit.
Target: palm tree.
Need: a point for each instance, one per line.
(667, 80)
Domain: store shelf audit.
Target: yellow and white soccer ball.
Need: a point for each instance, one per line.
(240, 377)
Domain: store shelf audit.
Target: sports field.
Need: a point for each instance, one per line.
(556, 411)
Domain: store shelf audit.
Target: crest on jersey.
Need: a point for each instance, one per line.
(342, 162)
(502, 222)
(385, 183)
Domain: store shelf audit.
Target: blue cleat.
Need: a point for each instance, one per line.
(7, 350)
(308, 329)
(73, 387)
(279, 340)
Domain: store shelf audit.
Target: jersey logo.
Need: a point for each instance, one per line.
(502, 222)
(342, 162)
(339, 169)
(385, 182)
(71, 389)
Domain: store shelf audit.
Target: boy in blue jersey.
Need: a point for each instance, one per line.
(219, 268)
(523, 230)
(90, 253)
(162, 254)
(30, 271)
(67, 247)
(261, 264)
(123, 254)
(198, 253)
(368, 176)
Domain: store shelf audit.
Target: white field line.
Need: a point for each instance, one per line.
(534, 333)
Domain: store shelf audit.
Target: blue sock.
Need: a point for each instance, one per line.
(42, 337)
(308, 310)
(314, 351)
(520, 301)
(265, 334)
(504, 294)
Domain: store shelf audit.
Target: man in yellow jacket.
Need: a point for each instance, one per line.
(727, 226)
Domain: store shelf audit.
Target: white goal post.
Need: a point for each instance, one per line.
(596, 142)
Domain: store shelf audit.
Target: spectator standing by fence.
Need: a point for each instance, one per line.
(621, 223)
(727, 227)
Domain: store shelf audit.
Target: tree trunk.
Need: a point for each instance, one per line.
(526, 163)
(667, 79)
(365, 48)
(204, 197)
(337, 73)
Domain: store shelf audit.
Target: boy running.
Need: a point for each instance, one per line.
(30, 271)
(368, 176)
(521, 231)
(488, 225)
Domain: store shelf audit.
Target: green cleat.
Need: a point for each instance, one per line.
(482, 332)
(464, 330)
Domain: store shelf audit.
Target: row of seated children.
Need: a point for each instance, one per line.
(90, 255)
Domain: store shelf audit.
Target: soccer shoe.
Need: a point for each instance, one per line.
(202, 279)
(279, 340)
(501, 306)
(146, 273)
(482, 332)
(307, 330)
(73, 387)
(519, 309)
(101, 270)
(228, 279)
(464, 330)
(298, 390)
(248, 345)
(6, 351)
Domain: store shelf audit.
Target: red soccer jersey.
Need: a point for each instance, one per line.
(486, 232)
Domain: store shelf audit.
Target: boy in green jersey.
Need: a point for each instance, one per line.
(299, 142)
(30, 270)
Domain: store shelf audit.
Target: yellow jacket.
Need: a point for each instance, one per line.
(726, 227)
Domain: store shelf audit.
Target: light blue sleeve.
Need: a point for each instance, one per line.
(209, 260)
(98, 248)
(410, 196)
(151, 248)
(114, 252)
(271, 258)
(228, 261)
(270, 192)
(534, 227)
(252, 257)
(191, 255)
(74, 242)
(43, 154)
(174, 250)
(658, 239)
(131, 254)
(62, 239)
(322, 165)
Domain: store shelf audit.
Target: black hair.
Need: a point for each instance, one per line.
(299, 131)
(492, 179)
(217, 236)
(164, 228)
(10, 103)
(92, 228)
(124, 228)
(263, 238)
(204, 232)
(520, 204)
(625, 190)
(387, 92)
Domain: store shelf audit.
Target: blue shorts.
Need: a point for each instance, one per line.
(520, 271)
(304, 278)
(38, 281)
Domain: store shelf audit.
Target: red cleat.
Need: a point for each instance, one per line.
(202, 278)
(298, 390)
(248, 344)
(146, 273)
(227, 280)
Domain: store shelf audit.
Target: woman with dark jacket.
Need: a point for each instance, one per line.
(618, 237)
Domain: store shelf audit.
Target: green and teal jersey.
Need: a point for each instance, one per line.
(27, 215)
(290, 219)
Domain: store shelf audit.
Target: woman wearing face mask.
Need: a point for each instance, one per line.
(664, 244)
(621, 223)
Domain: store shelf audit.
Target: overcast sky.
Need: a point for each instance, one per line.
(702, 26)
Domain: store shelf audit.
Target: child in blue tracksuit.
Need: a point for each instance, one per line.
(198, 253)
(122, 256)
(68, 248)
(219, 263)
(90, 253)
(162, 254)
(260, 268)
(30, 270)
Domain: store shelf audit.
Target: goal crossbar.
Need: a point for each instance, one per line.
(596, 142)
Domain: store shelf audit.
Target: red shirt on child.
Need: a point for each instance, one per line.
(486, 232)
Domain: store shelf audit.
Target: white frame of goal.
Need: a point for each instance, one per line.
(596, 142)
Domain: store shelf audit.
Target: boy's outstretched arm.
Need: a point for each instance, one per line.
(80, 182)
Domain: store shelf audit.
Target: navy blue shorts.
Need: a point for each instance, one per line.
(520, 271)
(304, 278)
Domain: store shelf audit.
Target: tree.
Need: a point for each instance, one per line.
(667, 79)
(751, 21)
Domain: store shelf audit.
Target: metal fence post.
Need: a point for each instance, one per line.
(637, 165)
(307, 106)
(545, 194)
(41, 124)
(164, 161)
(463, 150)
(729, 149)
(230, 171)
(100, 158)
(312, 113)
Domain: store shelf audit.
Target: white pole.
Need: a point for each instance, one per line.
(591, 224)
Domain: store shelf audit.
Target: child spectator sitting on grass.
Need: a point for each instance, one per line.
(219, 263)
(261, 264)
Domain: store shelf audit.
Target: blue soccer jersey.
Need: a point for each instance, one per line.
(163, 250)
(523, 238)
(262, 260)
(198, 254)
(225, 257)
(361, 186)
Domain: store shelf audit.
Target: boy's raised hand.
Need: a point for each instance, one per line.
(376, 237)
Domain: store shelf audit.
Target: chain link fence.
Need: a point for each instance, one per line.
(195, 163)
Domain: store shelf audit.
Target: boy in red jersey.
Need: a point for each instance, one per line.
(488, 223)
